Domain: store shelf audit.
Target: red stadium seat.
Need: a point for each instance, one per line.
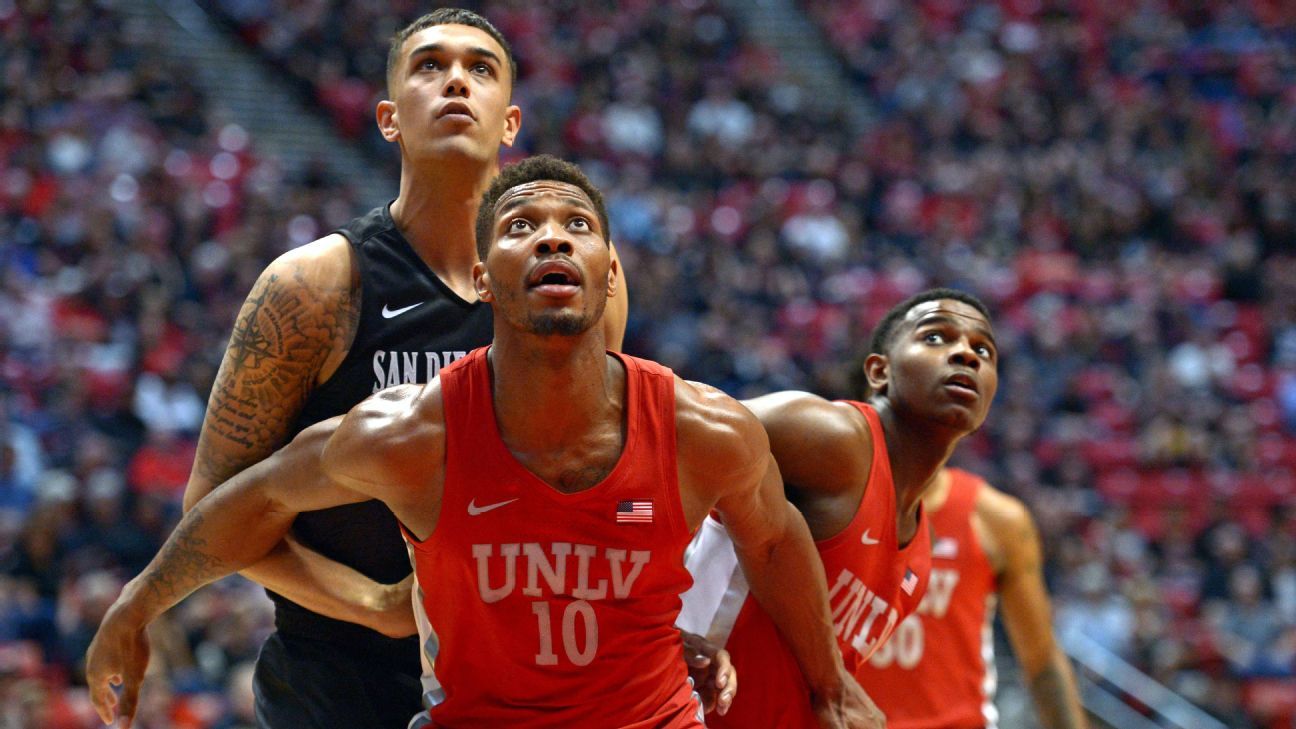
(1118, 486)
(1115, 417)
(1111, 453)
(1272, 697)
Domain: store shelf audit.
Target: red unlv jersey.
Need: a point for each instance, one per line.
(549, 609)
(938, 669)
(873, 584)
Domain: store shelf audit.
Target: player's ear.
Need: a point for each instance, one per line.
(614, 275)
(387, 121)
(481, 282)
(512, 124)
(877, 371)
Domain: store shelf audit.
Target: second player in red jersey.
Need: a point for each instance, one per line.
(873, 581)
(857, 471)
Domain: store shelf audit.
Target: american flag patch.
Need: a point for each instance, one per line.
(945, 548)
(910, 581)
(634, 512)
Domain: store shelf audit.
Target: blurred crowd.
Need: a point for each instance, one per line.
(1114, 179)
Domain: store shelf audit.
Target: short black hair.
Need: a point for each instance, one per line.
(540, 167)
(447, 16)
(885, 330)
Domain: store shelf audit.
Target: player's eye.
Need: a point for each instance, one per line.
(518, 225)
(579, 224)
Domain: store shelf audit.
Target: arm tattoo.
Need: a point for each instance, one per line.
(283, 335)
(252, 342)
(183, 566)
(1053, 700)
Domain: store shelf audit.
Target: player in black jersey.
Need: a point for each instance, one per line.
(388, 299)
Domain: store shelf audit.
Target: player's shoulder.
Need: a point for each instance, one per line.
(1007, 531)
(398, 414)
(797, 409)
(323, 267)
(826, 434)
(1003, 512)
(391, 435)
(713, 427)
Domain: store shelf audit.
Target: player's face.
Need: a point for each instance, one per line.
(549, 270)
(942, 365)
(450, 96)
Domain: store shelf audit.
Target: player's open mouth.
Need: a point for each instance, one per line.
(555, 278)
(456, 109)
(962, 384)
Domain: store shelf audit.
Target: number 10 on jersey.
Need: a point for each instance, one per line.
(580, 650)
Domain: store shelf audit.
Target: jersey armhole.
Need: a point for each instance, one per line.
(354, 249)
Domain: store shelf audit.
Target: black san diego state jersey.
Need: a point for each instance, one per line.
(411, 325)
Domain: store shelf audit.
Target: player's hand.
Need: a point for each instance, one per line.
(117, 656)
(713, 674)
(393, 609)
(847, 707)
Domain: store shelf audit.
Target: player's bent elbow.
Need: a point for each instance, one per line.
(192, 495)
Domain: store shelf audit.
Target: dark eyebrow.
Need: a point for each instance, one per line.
(947, 319)
(525, 199)
(477, 51)
(577, 202)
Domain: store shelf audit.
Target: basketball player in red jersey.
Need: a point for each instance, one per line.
(857, 471)
(387, 298)
(937, 671)
(545, 486)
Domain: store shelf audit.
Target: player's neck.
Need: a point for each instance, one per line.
(934, 498)
(545, 388)
(924, 452)
(436, 211)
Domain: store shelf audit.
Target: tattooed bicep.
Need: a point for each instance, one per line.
(286, 331)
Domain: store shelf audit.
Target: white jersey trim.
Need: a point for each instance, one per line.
(991, 682)
(433, 694)
(719, 588)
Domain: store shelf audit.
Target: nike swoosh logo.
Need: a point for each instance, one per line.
(389, 313)
(866, 539)
(474, 509)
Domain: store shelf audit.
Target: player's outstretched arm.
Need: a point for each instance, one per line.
(232, 527)
(378, 450)
(1027, 613)
(298, 321)
(723, 448)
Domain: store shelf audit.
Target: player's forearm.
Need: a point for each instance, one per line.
(230, 529)
(1056, 699)
(289, 568)
(220, 456)
(233, 438)
(289, 572)
(210, 470)
(786, 577)
(331, 588)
